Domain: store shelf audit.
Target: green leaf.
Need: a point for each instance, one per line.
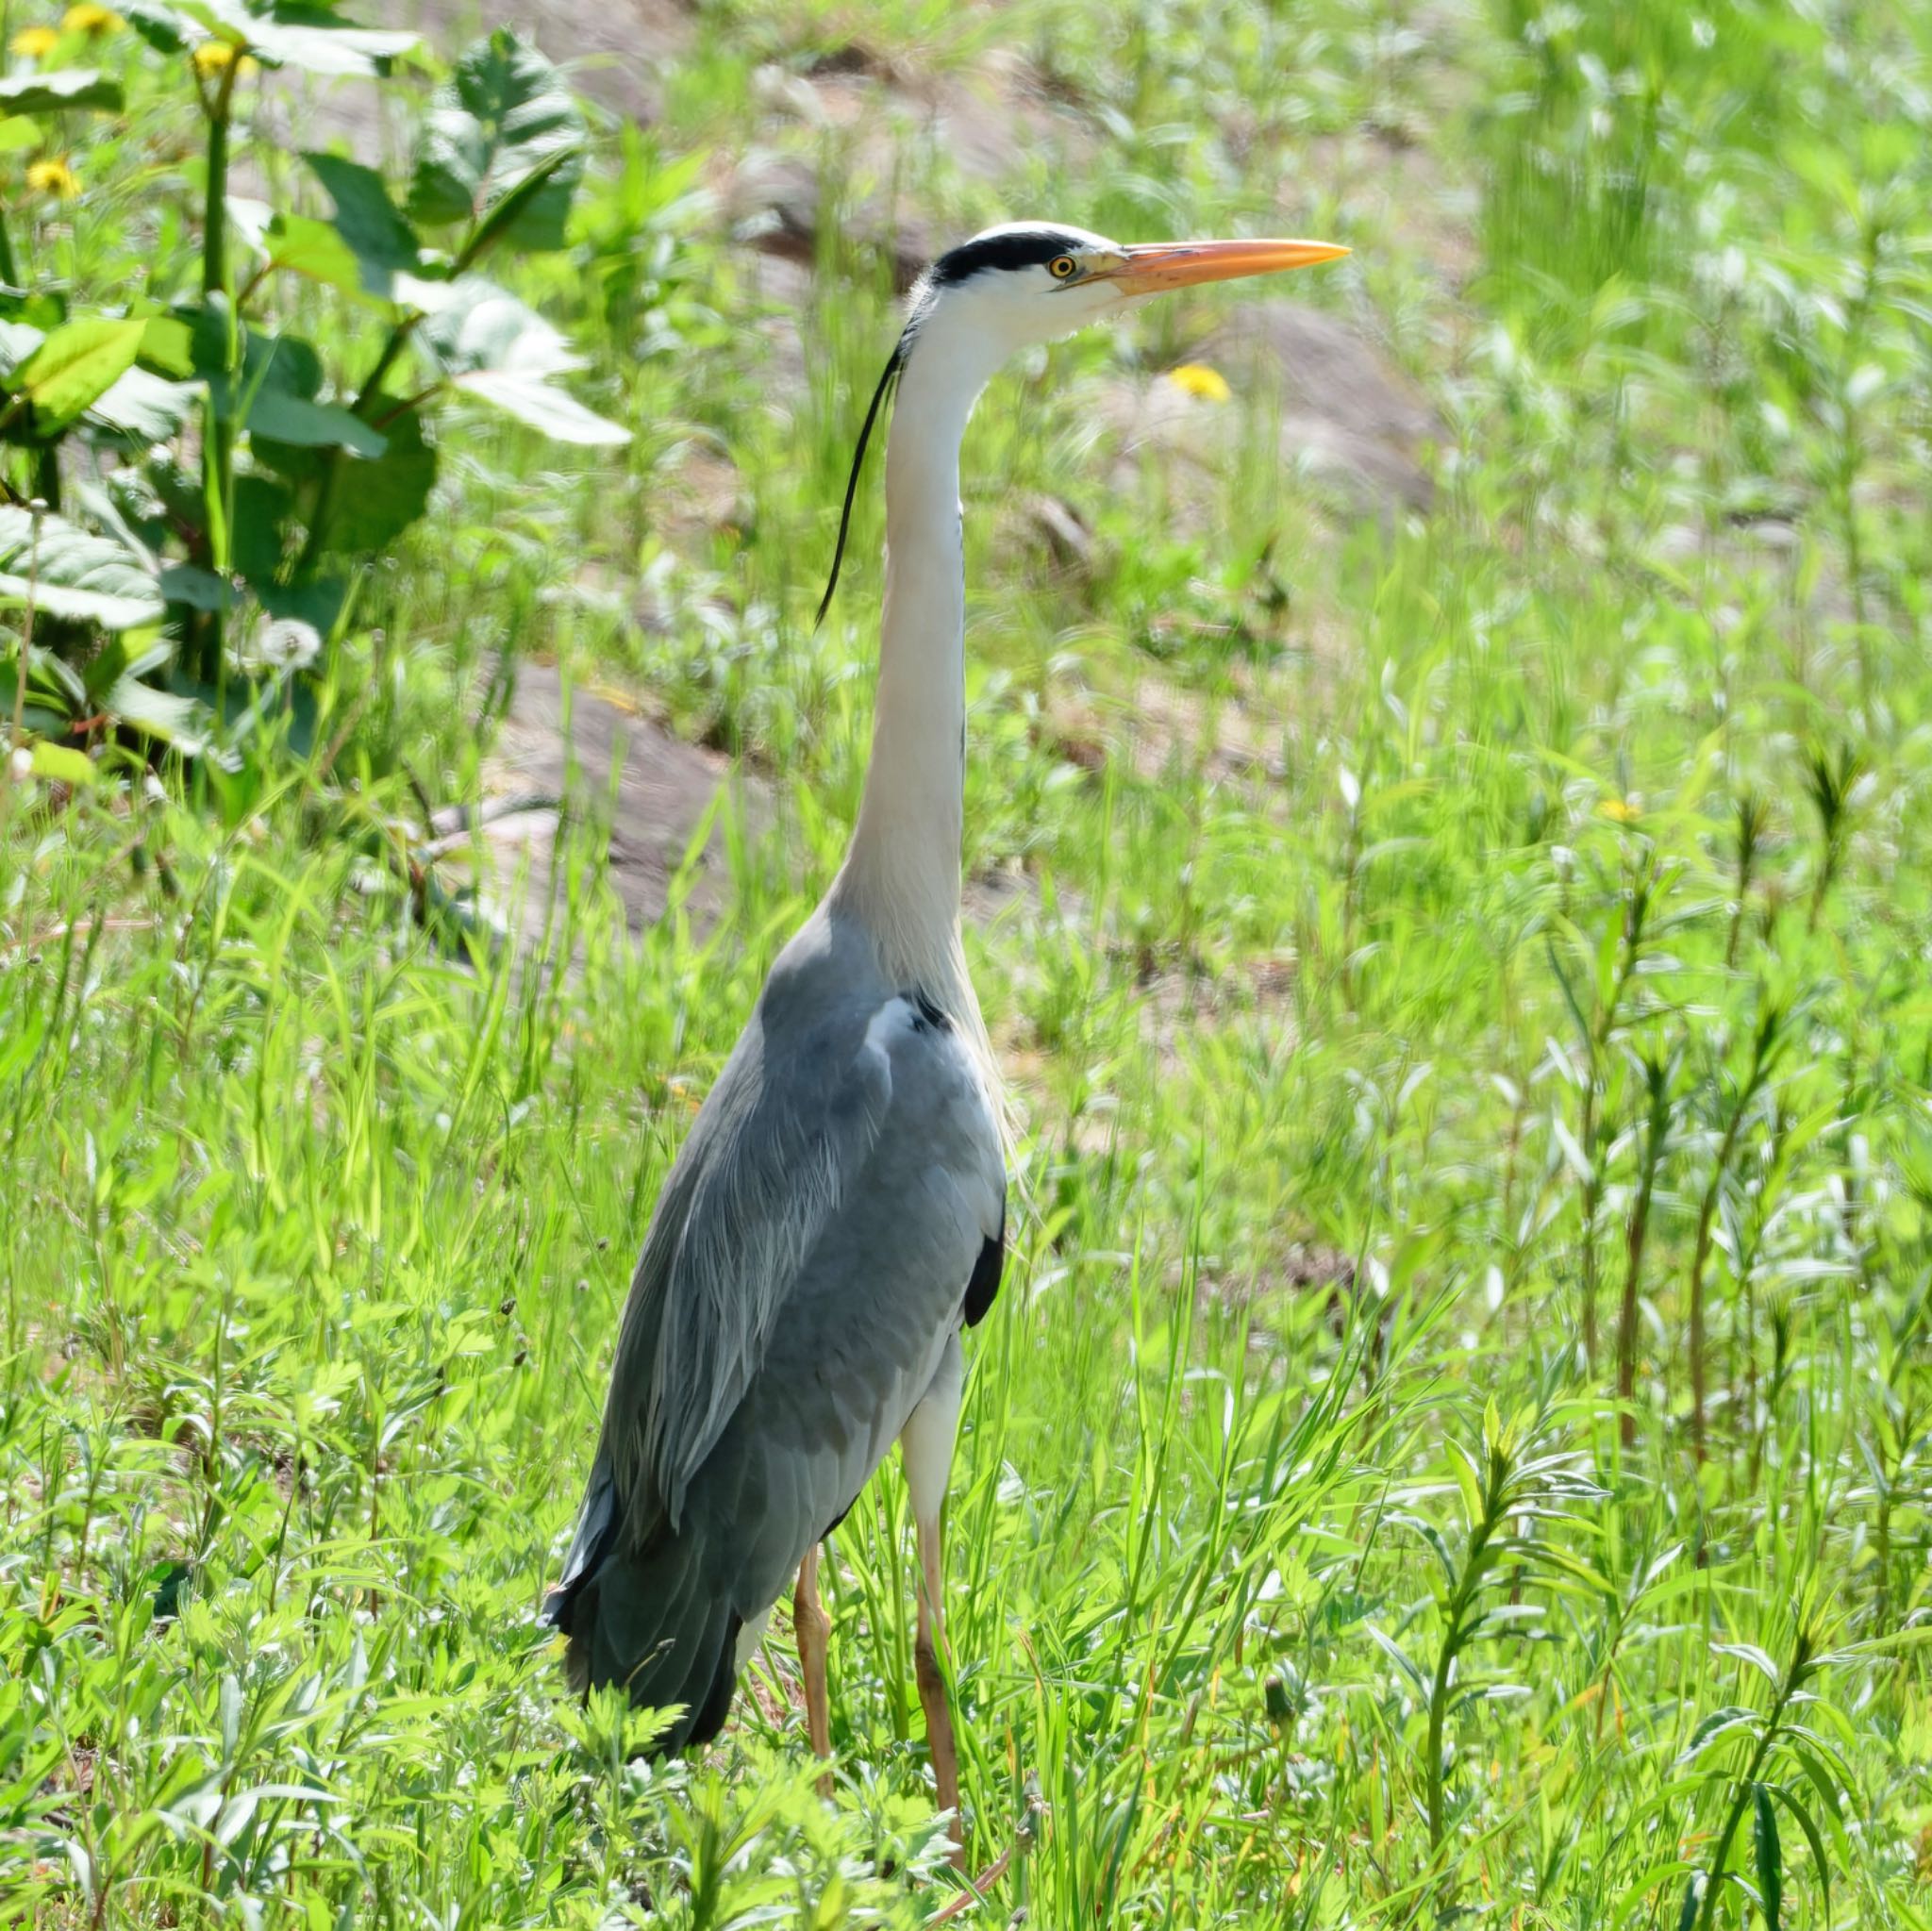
(504, 123)
(66, 86)
(279, 417)
(184, 724)
(75, 366)
(17, 131)
(376, 502)
(483, 328)
(282, 33)
(143, 407)
(83, 577)
(1771, 1891)
(382, 243)
(1790, 1799)
(62, 764)
(1687, 1913)
(156, 23)
(558, 415)
(312, 248)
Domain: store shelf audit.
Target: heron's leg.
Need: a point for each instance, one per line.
(815, 1628)
(927, 1649)
(927, 1448)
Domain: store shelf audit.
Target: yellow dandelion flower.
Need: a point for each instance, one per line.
(1621, 809)
(217, 56)
(34, 42)
(1198, 379)
(52, 177)
(91, 20)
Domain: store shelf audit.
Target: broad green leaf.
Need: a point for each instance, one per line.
(66, 86)
(184, 724)
(199, 590)
(375, 502)
(157, 22)
(281, 33)
(279, 417)
(19, 132)
(482, 328)
(168, 346)
(312, 248)
(75, 365)
(558, 415)
(62, 764)
(505, 118)
(82, 577)
(367, 221)
(148, 409)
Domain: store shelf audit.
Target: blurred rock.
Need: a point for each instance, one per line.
(1345, 417)
(644, 790)
(880, 130)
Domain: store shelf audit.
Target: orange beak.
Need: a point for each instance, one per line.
(1160, 266)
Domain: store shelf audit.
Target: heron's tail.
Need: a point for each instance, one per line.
(649, 1620)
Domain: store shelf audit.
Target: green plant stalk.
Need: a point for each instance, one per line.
(1598, 1040)
(1707, 1218)
(1714, 1881)
(1637, 1234)
(1466, 1585)
(218, 446)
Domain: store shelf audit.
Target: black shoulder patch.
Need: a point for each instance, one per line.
(984, 1286)
(932, 1014)
(1023, 248)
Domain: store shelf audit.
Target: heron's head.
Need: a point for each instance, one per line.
(1027, 282)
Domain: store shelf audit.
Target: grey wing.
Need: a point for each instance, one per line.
(869, 1318)
(848, 1145)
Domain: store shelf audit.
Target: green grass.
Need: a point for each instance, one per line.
(1401, 1041)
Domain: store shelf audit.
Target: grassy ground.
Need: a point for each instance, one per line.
(1454, 1440)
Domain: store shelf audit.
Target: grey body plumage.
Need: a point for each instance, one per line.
(808, 1264)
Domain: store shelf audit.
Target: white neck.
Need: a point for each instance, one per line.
(901, 876)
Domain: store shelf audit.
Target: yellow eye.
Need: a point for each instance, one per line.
(1061, 267)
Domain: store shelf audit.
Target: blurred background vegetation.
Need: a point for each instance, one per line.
(1450, 773)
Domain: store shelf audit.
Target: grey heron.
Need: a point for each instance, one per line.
(837, 1214)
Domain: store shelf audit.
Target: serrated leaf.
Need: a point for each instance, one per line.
(553, 411)
(75, 366)
(80, 577)
(380, 500)
(65, 87)
(503, 122)
(294, 419)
